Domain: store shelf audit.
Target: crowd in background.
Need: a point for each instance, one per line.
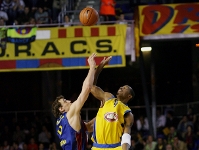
(24, 12)
(37, 132)
(31, 12)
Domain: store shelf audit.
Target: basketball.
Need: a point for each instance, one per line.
(88, 16)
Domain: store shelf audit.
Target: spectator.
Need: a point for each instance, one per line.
(66, 21)
(16, 22)
(6, 145)
(41, 16)
(121, 19)
(32, 4)
(16, 146)
(150, 143)
(3, 39)
(7, 6)
(107, 10)
(47, 5)
(25, 16)
(32, 21)
(18, 7)
(142, 125)
(191, 115)
(171, 120)
(56, 8)
(171, 135)
(182, 125)
(3, 15)
(178, 144)
(25, 146)
(6, 135)
(53, 146)
(160, 144)
(136, 144)
(18, 134)
(189, 138)
(169, 147)
(36, 123)
(33, 134)
(32, 145)
(41, 147)
(45, 136)
(160, 122)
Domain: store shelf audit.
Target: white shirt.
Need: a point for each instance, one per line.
(145, 126)
(161, 121)
(3, 15)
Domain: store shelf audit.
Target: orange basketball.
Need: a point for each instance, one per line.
(88, 16)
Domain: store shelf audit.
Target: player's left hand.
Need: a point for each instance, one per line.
(91, 60)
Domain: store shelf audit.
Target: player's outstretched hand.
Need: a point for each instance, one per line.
(91, 60)
(106, 60)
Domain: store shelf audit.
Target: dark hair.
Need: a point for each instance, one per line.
(56, 105)
(131, 92)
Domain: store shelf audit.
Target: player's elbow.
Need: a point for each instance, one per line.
(93, 88)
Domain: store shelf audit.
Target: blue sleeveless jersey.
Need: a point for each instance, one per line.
(69, 138)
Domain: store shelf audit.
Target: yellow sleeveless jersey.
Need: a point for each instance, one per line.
(108, 125)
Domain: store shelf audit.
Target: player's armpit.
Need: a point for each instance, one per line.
(97, 92)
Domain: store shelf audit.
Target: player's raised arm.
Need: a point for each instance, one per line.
(97, 91)
(87, 85)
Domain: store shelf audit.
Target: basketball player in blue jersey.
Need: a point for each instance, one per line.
(112, 127)
(70, 129)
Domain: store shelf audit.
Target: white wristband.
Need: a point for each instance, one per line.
(126, 138)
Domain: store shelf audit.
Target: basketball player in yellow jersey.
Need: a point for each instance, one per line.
(114, 119)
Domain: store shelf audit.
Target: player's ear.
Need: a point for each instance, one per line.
(130, 96)
(61, 109)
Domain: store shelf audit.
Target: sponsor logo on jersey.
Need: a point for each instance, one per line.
(111, 116)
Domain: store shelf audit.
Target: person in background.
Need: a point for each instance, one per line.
(142, 125)
(160, 143)
(56, 9)
(178, 144)
(41, 16)
(7, 6)
(107, 10)
(182, 125)
(25, 16)
(66, 21)
(189, 138)
(4, 16)
(150, 143)
(171, 120)
(169, 147)
(160, 121)
(121, 19)
(32, 145)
